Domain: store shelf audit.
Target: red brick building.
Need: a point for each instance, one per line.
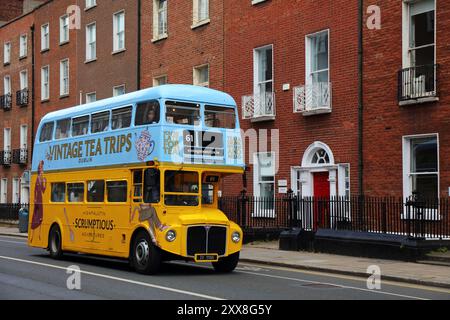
(406, 106)
(82, 51)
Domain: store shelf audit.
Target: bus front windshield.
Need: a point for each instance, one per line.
(181, 188)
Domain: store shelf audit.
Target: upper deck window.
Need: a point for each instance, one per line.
(220, 117)
(100, 122)
(183, 113)
(62, 129)
(121, 118)
(147, 113)
(80, 126)
(46, 132)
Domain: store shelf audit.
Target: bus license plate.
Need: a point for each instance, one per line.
(206, 258)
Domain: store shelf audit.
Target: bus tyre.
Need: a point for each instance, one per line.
(145, 256)
(55, 243)
(228, 264)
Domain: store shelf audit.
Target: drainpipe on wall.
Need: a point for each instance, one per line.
(138, 71)
(32, 94)
(360, 99)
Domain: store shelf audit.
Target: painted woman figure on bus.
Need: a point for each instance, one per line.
(148, 213)
(39, 189)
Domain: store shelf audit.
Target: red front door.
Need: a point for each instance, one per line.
(321, 199)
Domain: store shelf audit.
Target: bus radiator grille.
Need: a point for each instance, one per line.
(206, 239)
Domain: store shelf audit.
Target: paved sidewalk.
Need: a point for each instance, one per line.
(268, 253)
(416, 273)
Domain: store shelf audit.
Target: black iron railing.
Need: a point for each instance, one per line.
(6, 102)
(22, 98)
(418, 82)
(5, 158)
(10, 211)
(425, 219)
(20, 156)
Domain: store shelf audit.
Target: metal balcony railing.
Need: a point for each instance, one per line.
(313, 98)
(417, 82)
(5, 158)
(22, 98)
(20, 156)
(258, 106)
(6, 101)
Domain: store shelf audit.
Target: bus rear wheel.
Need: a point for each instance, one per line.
(55, 243)
(228, 264)
(145, 257)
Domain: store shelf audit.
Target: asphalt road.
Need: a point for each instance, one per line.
(27, 273)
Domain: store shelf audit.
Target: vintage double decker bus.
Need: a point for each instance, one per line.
(137, 176)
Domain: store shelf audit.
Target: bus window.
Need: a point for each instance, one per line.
(220, 117)
(96, 191)
(147, 113)
(207, 194)
(58, 192)
(184, 185)
(121, 118)
(151, 186)
(117, 191)
(80, 126)
(100, 122)
(137, 186)
(46, 132)
(182, 113)
(62, 129)
(75, 192)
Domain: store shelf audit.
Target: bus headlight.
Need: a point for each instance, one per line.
(236, 237)
(171, 235)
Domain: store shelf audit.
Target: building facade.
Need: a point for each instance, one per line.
(60, 54)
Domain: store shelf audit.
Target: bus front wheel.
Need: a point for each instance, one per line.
(55, 243)
(228, 264)
(145, 255)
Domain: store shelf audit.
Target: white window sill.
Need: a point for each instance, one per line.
(418, 101)
(316, 111)
(159, 38)
(257, 1)
(263, 118)
(23, 57)
(89, 8)
(63, 96)
(90, 60)
(200, 23)
(45, 50)
(118, 51)
(64, 42)
(45, 100)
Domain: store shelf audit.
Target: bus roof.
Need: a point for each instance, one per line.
(170, 91)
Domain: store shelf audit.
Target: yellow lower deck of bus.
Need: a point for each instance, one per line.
(107, 228)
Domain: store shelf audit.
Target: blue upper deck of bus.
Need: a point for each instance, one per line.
(187, 124)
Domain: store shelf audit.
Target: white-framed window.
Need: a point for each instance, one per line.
(45, 37)
(23, 79)
(24, 136)
(64, 29)
(160, 80)
(45, 83)
(119, 90)
(91, 97)
(7, 53)
(119, 31)
(419, 33)
(159, 19)
(15, 190)
(264, 175)
(201, 75)
(317, 58)
(263, 87)
(91, 41)
(7, 85)
(4, 191)
(421, 166)
(23, 46)
(90, 3)
(7, 139)
(200, 11)
(64, 77)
